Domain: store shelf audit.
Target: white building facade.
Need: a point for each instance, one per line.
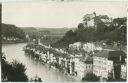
(102, 66)
(123, 71)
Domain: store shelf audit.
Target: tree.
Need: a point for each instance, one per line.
(80, 27)
(18, 72)
(104, 29)
(90, 77)
(11, 31)
(14, 72)
(36, 79)
(110, 77)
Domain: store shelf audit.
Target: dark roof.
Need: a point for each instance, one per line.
(116, 54)
(88, 59)
(59, 54)
(103, 53)
(109, 54)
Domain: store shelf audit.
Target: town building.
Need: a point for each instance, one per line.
(101, 65)
(76, 45)
(82, 66)
(88, 65)
(124, 71)
(79, 68)
(89, 47)
(106, 62)
(118, 58)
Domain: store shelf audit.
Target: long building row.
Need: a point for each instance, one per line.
(104, 63)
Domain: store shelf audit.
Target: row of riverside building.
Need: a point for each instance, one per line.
(104, 63)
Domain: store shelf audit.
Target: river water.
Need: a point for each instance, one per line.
(33, 68)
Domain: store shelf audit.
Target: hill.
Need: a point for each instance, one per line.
(96, 28)
(12, 33)
(56, 31)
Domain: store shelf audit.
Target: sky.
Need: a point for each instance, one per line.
(57, 14)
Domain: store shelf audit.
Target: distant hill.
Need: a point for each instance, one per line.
(56, 31)
(28, 29)
(46, 31)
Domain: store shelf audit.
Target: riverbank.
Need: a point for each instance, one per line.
(54, 57)
(12, 41)
(33, 68)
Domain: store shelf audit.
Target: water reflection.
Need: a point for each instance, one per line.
(15, 52)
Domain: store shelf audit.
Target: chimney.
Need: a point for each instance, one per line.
(94, 14)
(120, 58)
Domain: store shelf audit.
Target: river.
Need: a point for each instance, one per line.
(33, 68)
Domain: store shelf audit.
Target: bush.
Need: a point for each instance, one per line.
(90, 77)
(36, 79)
(14, 71)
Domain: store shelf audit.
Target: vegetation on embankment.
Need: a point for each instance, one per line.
(12, 34)
(115, 31)
(90, 77)
(15, 72)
